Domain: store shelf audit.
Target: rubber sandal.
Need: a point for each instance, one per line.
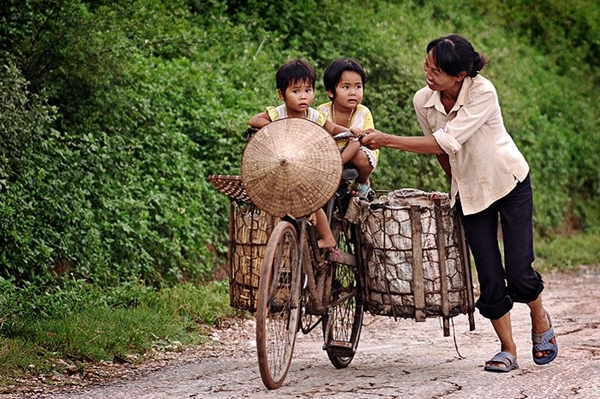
(502, 357)
(541, 343)
(361, 190)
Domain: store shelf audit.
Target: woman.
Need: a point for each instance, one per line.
(462, 124)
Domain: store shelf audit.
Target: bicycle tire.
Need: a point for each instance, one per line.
(343, 323)
(278, 305)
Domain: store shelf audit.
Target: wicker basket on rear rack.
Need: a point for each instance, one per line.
(415, 256)
(249, 231)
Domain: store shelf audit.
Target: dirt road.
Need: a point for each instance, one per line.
(397, 359)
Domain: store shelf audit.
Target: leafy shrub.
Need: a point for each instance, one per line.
(109, 183)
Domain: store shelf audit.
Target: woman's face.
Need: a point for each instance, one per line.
(436, 79)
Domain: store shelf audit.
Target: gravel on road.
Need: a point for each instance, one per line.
(395, 359)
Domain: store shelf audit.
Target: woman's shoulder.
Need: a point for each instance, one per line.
(423, 95)
(482, 84)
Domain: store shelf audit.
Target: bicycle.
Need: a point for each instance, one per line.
(297, 284)
(402, 256)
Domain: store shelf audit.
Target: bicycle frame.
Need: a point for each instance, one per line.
(314, 267)
(317, 278)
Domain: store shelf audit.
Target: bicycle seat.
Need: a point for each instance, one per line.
(349, 172)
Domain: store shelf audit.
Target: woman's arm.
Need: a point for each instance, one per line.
(375, 139)
(444, 161)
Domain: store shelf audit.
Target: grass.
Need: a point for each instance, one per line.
(98, 324)
(567, 253)
(82, 324)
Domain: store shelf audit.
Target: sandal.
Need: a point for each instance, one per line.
(541, 343)
(502, 357)
(361, 190)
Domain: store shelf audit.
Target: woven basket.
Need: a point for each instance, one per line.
(415, 256)
(231, 186)
(249, 231)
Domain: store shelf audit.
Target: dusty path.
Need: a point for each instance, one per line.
(398, 359)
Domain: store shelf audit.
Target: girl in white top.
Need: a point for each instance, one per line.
(459, 114)
(344, 80)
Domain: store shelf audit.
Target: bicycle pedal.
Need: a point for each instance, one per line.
(340, 348)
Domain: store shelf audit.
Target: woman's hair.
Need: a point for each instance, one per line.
(295, 71)
(453, 54)
(333, 73)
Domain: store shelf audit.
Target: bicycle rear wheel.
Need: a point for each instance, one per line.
(343, 323)
(278, 305)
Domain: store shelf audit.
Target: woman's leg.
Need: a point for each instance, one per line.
(503, 329)
(516, 214)
(524, 283)
(481, 230)
(539, 322)
(494, 303)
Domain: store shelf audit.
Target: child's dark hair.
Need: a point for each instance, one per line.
(333, 73)
(453, 54)
(295, 71)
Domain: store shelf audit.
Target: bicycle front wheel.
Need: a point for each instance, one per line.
(343, 322)
(278, 305)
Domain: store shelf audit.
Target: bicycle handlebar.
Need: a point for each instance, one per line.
(343, 135)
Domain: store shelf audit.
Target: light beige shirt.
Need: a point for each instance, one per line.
(485, 162)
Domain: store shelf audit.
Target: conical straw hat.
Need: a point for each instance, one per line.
(291, 166)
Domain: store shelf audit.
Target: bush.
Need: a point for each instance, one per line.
(114, 114)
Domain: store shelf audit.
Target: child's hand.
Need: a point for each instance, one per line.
(356, 131)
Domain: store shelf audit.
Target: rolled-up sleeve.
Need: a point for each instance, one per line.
(448, 143)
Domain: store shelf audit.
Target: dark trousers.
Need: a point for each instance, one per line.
(516, 280)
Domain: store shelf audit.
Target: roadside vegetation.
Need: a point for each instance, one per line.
(113, 113)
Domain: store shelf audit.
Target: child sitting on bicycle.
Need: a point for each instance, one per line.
(296, 87)
(344, 81)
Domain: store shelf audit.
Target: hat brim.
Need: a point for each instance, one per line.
(291, 166)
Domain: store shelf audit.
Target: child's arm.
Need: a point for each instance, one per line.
(350, 151)
(356, 131)
(260, 120)
(333, 128)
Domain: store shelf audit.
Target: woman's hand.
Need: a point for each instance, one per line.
(373, 139)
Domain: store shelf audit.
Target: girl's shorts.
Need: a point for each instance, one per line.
(372, 155)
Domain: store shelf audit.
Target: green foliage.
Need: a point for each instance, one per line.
(82, 323)
(26, 228)
(566, 32)
(568, 253)
(113, 114)
(149, 98)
